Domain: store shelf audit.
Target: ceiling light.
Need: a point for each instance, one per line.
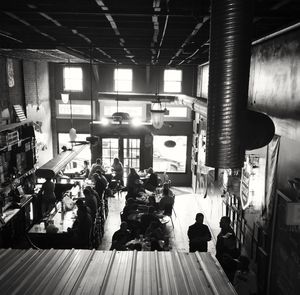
(157, 115)
(65, 97)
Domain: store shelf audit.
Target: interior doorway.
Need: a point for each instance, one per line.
(125, 148)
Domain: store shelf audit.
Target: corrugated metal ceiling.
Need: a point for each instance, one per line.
(110, 272)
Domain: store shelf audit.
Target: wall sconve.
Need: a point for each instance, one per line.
(65, 97)
(157, 115)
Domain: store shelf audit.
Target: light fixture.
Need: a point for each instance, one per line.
(65, 97)
(157, 115)
(72, 131)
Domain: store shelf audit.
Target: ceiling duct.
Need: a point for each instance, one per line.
(229, 62)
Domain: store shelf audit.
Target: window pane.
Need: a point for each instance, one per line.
(181, 112)
(72, 78)
(170, 159)
(123, 85)
(172, 86)
(172, 75)
(123, 74)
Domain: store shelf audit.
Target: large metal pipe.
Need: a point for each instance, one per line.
(229, 63)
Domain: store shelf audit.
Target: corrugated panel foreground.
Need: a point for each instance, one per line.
(110, 272)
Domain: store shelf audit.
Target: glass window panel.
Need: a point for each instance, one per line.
(72, 79)
(169, 159)
(123, 74)
(172, 75)
(123, 85)
(179, 112)
(171, 86)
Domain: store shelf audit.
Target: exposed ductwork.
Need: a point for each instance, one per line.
(229, 62)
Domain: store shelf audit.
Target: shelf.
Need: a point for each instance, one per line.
(18, 143)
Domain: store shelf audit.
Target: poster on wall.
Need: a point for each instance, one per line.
(10, 72)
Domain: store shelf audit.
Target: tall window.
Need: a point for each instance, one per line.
(72, 79)
(123, 79)
(172, 81)
(169, 153)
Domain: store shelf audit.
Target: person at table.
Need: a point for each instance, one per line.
(154, 231)
(100, 183)
(133, 180)
(152, 202)
(121, 237)
(152, 183)
(91, 202)
(147, 218)
(93, 192)
(166, 203)
(96, 166)
(48, 197)
(85, 172)
(117, 168)
(129, 209)
(199, 235)
(82, 226)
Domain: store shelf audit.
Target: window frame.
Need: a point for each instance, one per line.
(172, 80)
(169, 137)
(74, 116)
(64, 79)
(116, 88)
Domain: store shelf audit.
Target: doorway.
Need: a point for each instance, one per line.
(125, 148)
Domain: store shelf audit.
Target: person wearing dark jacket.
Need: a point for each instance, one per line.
(226, 250)
(82, 227)
(199, 235)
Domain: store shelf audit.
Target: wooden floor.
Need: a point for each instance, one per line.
(187, 204)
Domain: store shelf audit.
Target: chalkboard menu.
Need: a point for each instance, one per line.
(285, 275)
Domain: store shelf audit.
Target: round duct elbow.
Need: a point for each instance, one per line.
(259, 130)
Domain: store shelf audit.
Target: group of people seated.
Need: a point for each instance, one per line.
(141, 214)
(94, 204)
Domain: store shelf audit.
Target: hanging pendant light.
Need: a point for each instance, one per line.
(157, 115)
(65, 97)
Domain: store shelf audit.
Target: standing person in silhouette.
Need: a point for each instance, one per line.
(199, 235)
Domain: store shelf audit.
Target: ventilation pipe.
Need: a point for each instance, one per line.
(229, 63)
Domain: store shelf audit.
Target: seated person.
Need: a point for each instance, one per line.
(167, 201)
(154, 233)
(91, 202)
(82, 227)
(121, 237)
(133, 180)
(96, 166)
(152, 183)
(85, 172)
(152, 203)
(130, 208)
(117, 168)
(147, 219)
(93, 192)
(100, 184)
